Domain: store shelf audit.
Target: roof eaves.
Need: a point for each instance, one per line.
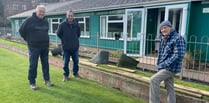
(132, 5)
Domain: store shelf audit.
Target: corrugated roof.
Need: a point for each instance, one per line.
(90, 5)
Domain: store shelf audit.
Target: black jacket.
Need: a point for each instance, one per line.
(35, 32)
(69, 35)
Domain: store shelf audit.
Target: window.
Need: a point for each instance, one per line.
(111, 25)
(15, 7)
(129, 25)
(53, 24)
(24, 7)
(84, 25)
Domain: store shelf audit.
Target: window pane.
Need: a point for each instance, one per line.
(87, 26)
(103, 27)
(54, 27)
(54, 20)
(79, 19)
(115, 18)
(130, 17)
(60, 20)
(81, 28)
(114, 28)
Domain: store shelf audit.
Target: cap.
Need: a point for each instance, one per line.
(165, 23)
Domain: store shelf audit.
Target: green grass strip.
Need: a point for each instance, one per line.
(15, 88)
(19, 45)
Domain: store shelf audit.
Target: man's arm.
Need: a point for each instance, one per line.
(79, 31)
(23, 29)
(59, 31)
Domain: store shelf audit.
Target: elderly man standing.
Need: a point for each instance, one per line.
(69, 33)
(170, 57)
(34, 31)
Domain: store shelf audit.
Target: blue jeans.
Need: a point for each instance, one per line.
(34, 54)
(66, 59)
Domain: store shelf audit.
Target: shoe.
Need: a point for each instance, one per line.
(33, 86)
(49, 83)
(65, 78)
(77, 76)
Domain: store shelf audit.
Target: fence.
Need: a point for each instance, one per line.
(196, 61)
(4, 31)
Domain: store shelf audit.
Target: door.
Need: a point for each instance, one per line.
(177, 15)
(133, 32)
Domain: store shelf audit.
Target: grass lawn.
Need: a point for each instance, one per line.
(14, 87)
(19, 45)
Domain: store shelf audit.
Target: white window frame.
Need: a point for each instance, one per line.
(184, 16)
(110, 21)
(51, 24)
(85, 35)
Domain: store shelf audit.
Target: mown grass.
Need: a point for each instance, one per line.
(14, 87)
(19, 45)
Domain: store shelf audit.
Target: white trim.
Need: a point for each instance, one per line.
(158, 21)
(107, 22)
(140, 35)
(85, 35)
(51, 24)
(183, 22)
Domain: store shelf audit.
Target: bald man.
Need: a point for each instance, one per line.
(34, 31)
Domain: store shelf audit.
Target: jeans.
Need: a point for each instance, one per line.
(34, 54)
(66, 59)
(154, 93)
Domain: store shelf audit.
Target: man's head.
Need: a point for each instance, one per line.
(40, 11)
(70, 15)
(165, 28)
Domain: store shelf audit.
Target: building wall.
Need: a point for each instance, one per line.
(198, 35)
(199, 21)
(12, 7)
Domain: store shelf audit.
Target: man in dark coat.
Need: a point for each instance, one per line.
(34, 31)
(69, 33)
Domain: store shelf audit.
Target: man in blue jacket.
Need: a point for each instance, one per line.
(170, 57)
(69, 33)
(34, 31)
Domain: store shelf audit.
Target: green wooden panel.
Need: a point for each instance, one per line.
(198, 28)
(133, 47)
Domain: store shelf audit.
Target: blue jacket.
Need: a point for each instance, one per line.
(171, 52)
(69, 35)
(35, 32)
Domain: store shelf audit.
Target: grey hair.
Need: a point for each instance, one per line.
(40, 6)
(70, 11)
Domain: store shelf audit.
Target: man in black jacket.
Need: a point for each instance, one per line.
(69, 33)
(34, 31)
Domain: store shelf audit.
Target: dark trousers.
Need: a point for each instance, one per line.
(66, 59)
(34, 54)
